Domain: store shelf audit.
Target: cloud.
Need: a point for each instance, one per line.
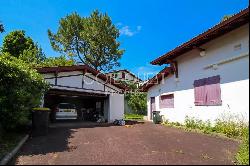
(128, 31)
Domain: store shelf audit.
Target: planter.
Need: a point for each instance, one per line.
(40, 121)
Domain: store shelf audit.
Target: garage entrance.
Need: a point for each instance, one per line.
(89, 106)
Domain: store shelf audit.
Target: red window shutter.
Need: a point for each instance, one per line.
(213, 91)
(207, 91)
(167, 101)
(200, 92)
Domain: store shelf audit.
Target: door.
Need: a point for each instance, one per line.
(152, 106)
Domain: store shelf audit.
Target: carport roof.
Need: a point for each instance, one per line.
(84, 69)
(74, 93)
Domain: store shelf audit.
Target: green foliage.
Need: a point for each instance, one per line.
(8, 142)
(242, 156)
(17, 44)
(232, 128)
(21, 88)
(92, 40)
(192, 123)
(133, 117)
(137, 101)
(226, 17)
(56, 61)
(68, 37)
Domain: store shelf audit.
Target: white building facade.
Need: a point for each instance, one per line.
(225, 57)
(84, 87)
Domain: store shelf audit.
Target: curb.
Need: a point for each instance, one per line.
(10, 155)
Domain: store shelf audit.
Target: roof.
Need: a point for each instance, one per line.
(156, 79)
(83, 68)
(125, 70)
(218, 30)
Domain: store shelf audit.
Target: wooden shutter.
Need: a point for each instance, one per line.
(200, 92)
(167, 101)
(213, 91)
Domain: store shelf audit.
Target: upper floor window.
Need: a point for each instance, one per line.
(207, 91)
(123, 75)
(167, 101)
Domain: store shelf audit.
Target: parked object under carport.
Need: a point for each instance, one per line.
(156, 117)
(40, 121)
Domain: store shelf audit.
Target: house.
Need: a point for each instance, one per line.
(85, 87)
(125, 76)
(128, 77)
(205, 78)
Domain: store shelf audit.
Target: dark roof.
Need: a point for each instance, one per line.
(156, 79)
(125, 70)
(83, 68)
(222, 28)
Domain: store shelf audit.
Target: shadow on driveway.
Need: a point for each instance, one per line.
(92, 143)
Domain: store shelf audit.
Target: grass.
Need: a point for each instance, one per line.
(242, 156)
(8, 141)
(228, 127)
(133, 117)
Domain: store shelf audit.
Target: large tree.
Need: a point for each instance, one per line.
(57, 61)
(92, 40)
(19, 45)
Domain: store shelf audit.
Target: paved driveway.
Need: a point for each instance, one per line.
(140, 144)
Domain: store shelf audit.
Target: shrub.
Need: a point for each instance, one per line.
(242, 156)
(20, 90)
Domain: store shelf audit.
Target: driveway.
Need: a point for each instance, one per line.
(139, 144)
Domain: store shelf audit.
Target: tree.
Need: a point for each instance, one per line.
(92, 40)
(137, 101)
(21, 88)
(17, 44)
(226, 17)
(1, 28)
(57, 61)
(68, 38)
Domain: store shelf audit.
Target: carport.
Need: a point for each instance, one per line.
(87, 104)
(89, 90)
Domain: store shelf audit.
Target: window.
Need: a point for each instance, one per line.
(207, 91)
(123, 75)
(167, 101)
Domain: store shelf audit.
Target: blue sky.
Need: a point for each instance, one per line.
(149, 28)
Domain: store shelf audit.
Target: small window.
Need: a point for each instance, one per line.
(207, 91)
(123, 75)
(167, 101)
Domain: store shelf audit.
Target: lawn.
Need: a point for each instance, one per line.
(8, 142)
(133, 117)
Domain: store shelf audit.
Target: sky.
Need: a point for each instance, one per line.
(148, 28)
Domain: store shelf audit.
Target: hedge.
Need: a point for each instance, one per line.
(21, 88)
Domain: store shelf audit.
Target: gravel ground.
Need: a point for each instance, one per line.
(147, 143)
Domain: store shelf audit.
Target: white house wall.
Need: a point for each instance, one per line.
(234, 80)
(76, 81)
(116, 106)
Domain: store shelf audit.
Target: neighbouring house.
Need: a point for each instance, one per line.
(125, 76)
(86, 88)
(206, 77)
(128, 77)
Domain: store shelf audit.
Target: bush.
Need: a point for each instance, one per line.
(242, 156)
(21, 89)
